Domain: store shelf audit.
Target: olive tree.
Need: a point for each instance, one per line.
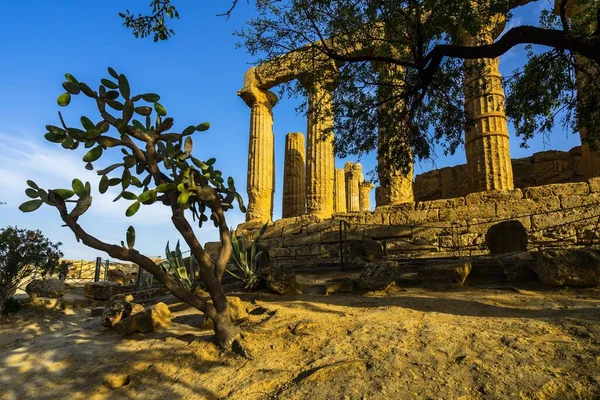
(157, 166)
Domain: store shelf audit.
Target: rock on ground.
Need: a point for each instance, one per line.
(453, 272)
(339, 285)
(52, 288)
(160, 315)
(102, 290)
(580, 268)
(378, 276)
(280, 278)
(118, 308)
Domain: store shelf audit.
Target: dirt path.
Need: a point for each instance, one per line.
(470, 344)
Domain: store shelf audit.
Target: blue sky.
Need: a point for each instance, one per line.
(197, 73)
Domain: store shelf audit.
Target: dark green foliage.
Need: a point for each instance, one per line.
(153, 24)
(23, 252)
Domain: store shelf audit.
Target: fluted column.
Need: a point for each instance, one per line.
(294, 195)
(261, 153)
(353, 181)
(320, 161)
(392, 139)
(365, 196)
(486, 141)
(340, 191)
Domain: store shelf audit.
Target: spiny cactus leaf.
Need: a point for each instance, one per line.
(103, 185)
(78, 187)
(115, 105)
(160, 109)
(138, 125)
(189, 130)
(129, 161)
(71, 87)
(70, 78)
(104, 126)
(183, 198)
(30, 205)
(114, 181)
(64, 99)
(127, 110)
(143, 110)
(147, 196)
(111, 95)
(68, 143)
(87, 123)
(126, 178)
(121, 126)
(199, 163)
(87, 90)
(128, 195)
(164, 187)
(137, 97)
(88, 188)
(108, 141)
(89, 166)
(113, 73)
(124, 86)
(211, 161)
(32, 193)
(130, 237)
(56, 130)
(92, 133)
(93, 154)
(188, 145)
(132, 209)
(32, 184)
(151, 97)
(65, 194)
(148, 123)
(109, 84)
(230, 183)
(51, 137)
(203, 127)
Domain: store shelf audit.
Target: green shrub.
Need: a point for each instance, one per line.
(246, 263)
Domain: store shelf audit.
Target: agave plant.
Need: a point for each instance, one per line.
(174, 265)
(246, 264)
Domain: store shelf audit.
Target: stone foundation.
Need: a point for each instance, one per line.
(554, 215)
(543, 168)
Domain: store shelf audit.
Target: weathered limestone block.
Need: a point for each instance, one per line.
(101, 290)
(474, 199)
(441, 204)
(571, 267)
(366, 250)
(486, 142)
(454, 181)
(51, 288)
(294, 179)
(302, 239)
(481, 211)
(160, 315)
(280, 278)
(340, 191)
(261, 153)
(519, 208)
(536, 192)
(378, 276)
(339, 285)
(576, 188)
(420, 217)
(389, 231)
(428, 186)
(594, 184)
(453, 272)
(580, 201)
(320, 161)
(365, 196)
(353, 180)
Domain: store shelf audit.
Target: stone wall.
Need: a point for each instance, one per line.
(553, 215)
(543, 168)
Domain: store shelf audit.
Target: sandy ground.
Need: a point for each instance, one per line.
(408, 343)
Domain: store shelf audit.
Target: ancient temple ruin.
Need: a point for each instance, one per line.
(439, 213)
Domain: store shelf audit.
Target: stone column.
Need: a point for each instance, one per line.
(353, 180)
(392, 139)
(340, 191)
(294, 181)
(365, 196)
(261, 153)
(320, 161)
(486, 141)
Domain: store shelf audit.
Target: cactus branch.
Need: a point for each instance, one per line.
(133, 256)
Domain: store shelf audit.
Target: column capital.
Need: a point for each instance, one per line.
(321, 76)
(253, 96)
